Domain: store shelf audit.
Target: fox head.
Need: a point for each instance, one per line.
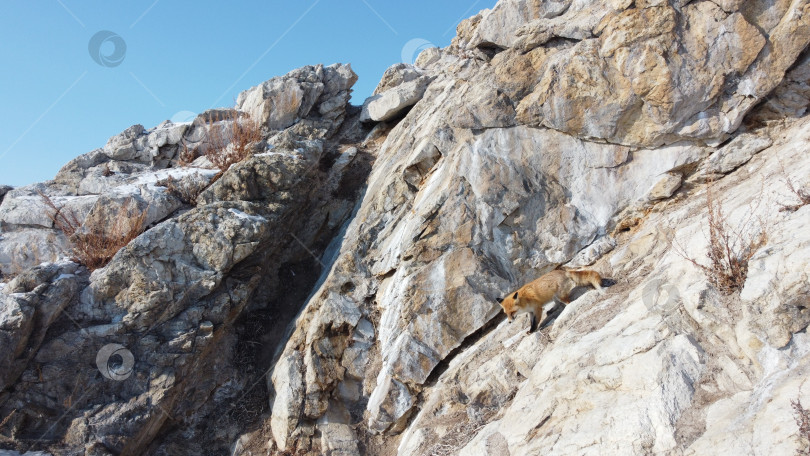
(509, 305)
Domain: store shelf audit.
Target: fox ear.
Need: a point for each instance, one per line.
(515, 296)
(500, 300)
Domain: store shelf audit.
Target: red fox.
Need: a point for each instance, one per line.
(531, 298)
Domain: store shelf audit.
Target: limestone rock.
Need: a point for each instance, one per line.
(791, 97)
(488, 108)
(16, 322)
(268, 176)
(336, 293)
(665, 187)
(288, 382)
(678, 296)
(337, 436)
(397, 75)
(428, 57)
(499, 25)
(24, 206)
(3, 190)
(280, 102)
(420, 266)
(29, 305)
(736, 153)
(23, 249)
(30, 236)
(156, 146)
(619, 86)
(545, 126)
(393, 101)
(175, 298)
(124, 145)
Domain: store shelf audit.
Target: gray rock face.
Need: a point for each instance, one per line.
(22, 249)
(132, 167)
(3, 190)
(183, 297)
(432, 294)
(282, 101)
(436, 218)
(31, 303)
(157, 146)
(790, 98)
(30, 236)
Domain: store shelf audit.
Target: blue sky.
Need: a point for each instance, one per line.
(180, 57)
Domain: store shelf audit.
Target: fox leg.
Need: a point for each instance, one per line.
(559, 306)
(533, 324)
(536, 313)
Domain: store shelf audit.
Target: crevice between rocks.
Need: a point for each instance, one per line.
(468, 342)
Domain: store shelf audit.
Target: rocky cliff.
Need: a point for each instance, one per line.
(336, 291)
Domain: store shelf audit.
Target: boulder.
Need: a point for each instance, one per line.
(736, 153)
(397, 75)
(280, 102)
(393, 101)
(665, 187)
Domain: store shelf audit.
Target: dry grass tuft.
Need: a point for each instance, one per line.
(225, 137)
(186, 155)
(802, 416)
(802, 194)
(185, 191)
(94, 244)
(730, 247)
(454, 441)
(231, 141)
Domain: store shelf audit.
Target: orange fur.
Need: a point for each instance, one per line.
(532, 297)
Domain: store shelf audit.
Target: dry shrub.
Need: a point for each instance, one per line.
(802, 417)
(186, 155)
(230, 141)
(455, 440)
(95, 244)
(802, 194)
(185, 191)
(730, 246)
